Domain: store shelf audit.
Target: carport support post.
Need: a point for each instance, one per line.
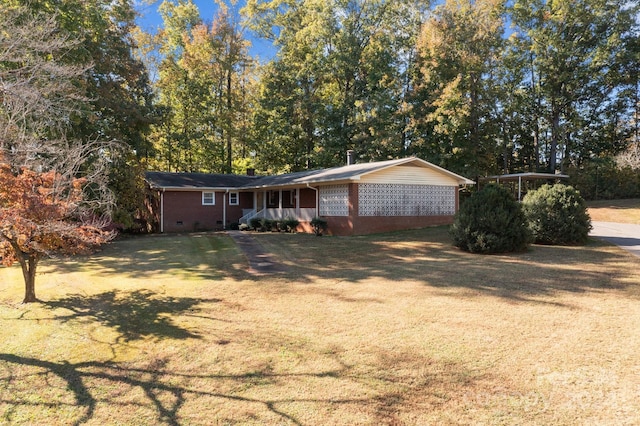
(519, 188)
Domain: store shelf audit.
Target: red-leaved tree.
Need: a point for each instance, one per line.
(54, 195)
(39, 218)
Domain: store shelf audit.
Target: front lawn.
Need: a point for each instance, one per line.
(401, 328)
(622, 211)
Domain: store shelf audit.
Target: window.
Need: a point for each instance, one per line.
(289, 199)
(233, 199)
(273, 199)
(208, 198)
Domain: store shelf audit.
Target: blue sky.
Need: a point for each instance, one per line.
(150, 20)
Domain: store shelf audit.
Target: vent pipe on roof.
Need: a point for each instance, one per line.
(351, 159)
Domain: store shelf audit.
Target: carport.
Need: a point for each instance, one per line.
(524, 181)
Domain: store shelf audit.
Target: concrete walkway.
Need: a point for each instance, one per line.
(625, 235)
(260, 261)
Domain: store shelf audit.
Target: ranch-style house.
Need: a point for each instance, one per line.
(355, 199)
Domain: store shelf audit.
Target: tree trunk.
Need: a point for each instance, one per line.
(555, 135)
(229, 115)
(29, 264)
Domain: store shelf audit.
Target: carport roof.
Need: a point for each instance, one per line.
(524, 176)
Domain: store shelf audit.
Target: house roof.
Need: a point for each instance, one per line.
(349, 173)
(352, 172)
(168, 180)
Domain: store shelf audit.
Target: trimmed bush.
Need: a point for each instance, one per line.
(289, 224)
(490, 221)
(255, 223)
(319, 225)
(557, 215)
(268, 224)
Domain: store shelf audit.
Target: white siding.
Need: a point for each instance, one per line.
(409, 175)
(303, 214)
(334, 200)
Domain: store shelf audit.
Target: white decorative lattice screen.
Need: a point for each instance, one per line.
(375, 199)
(334, 200)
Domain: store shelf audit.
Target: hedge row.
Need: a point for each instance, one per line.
(284, 225)
(602, 179)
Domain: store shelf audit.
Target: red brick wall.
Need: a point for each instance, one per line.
(186, 207)
(234, 213)
(339, 225)
(184, 212)
(357, 225)
(307, 198)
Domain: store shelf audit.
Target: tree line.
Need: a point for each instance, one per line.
(479, 87)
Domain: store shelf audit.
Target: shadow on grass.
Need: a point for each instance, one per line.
(168, 390)
(425, 255)
(199, 256)
(428, 256)
(134, 315)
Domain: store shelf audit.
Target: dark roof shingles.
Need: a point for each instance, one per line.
(196, 180)
(335, 174)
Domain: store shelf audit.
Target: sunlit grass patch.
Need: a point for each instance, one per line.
(399, 328)
(622, 211)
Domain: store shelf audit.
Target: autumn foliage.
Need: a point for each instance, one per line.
(40, 216)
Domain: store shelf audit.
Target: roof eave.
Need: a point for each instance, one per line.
(193, 188)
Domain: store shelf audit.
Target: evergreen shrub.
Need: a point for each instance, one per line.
(289, 224)
(268, 224)
(490, 221)
(319, 225)
(557, 215)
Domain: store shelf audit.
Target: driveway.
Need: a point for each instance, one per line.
(625, 235)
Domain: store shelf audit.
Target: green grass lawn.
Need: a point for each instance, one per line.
(400, 328)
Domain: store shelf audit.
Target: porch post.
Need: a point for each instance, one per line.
(298, 203)
(280, 204)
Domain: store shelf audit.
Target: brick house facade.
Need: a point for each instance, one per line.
(354, 199)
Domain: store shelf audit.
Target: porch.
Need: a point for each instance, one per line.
(302, 214)
(296, 203)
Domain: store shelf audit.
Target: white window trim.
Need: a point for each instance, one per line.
(237, 195)
(213, 198)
